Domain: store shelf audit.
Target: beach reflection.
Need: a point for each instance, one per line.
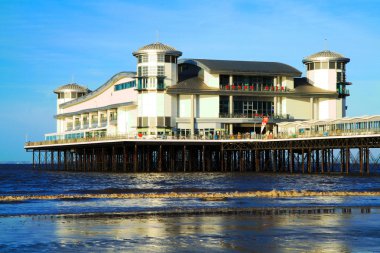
(334, 232)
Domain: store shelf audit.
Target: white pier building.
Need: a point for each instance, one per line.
(172, 96)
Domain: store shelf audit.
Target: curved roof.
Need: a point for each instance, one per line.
(72, 87)
(191, 85)
(325, 55)
(99, 90)
(244, 67)
(158, 47)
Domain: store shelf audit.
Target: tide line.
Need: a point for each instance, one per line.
(189, 195)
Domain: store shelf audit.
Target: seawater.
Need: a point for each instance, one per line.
(143, 225)
(22, 180)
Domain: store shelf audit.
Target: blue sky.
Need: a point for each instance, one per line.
(45, 44)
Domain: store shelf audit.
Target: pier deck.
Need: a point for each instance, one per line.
(332, 154)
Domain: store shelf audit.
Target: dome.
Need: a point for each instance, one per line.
(325, 55)
(158, 47)
(72, 87)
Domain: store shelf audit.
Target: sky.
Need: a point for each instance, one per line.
(48, 43)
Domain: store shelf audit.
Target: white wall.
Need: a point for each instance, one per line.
(208, 106)
(147, 105)
(107, 97)
(288, 82)
(211, 80)
(184, 106)
(299, 108)
(323, 78)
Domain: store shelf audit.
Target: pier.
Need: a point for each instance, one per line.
(313, 155)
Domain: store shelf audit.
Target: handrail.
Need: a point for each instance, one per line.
(243, 136)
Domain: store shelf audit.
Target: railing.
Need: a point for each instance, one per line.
(255, 115)
(94, 124)
(113, 122)
(103, 123)
(242, 136)
(252, 88)
(85, 126)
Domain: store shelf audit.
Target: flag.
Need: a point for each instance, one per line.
(264, 123)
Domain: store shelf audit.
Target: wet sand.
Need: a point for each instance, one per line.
(336, 230)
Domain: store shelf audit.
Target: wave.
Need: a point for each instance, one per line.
(202, 195)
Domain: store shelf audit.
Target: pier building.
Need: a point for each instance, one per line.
(188, 115)
(167, 95)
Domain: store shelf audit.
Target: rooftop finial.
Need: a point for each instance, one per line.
(157, 36)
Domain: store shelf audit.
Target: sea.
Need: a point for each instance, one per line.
(31, 220)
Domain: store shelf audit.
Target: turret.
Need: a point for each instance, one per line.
(156, 70)
(327, 70)
(69, 92)
(156, 66)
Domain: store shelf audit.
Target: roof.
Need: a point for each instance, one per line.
(159, 47)
(244, 67)
(302, 86)
(94, 109)
(195, 85)
(325, 55)
(364, 118)
(191, 85)
(99, 90)
(72, 87)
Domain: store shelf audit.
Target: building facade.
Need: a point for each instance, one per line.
(172, 96)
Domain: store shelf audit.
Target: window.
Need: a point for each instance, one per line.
(139, 71)
(312, 66)
(160, 70)
(145, 58)
(324, 65)
(223, 104)
(152, 70)
(145, 70)
(125, 85)
(142, 121)
(160, 58)
(73, 95)
(340, 65)
(167, 121)
(160, 82)
(167, 58)
(332, 65)
(160, 121)
(339, 77)
(224, 79)
(317, 65)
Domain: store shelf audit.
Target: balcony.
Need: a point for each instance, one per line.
(255, 116)
(103, 122)
(85, 125)
(253, 88)
(113, 121)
